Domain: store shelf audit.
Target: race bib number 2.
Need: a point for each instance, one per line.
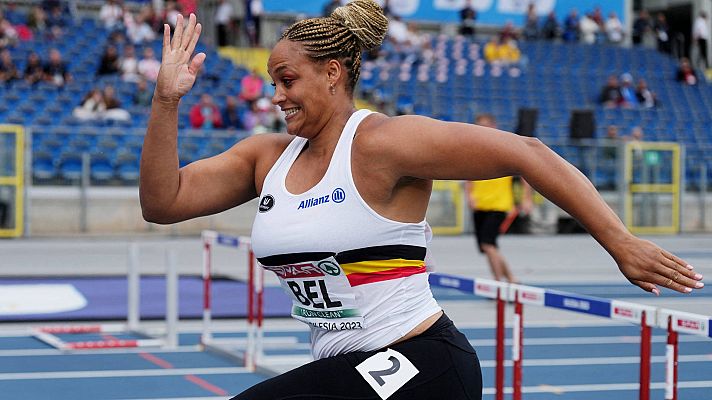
(321, 294)
(387, 371)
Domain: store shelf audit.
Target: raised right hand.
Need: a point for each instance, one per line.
(178, 72)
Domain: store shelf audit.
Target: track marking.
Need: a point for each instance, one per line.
(206, 385)
(601, 387)
(155, 360)
(121, 373)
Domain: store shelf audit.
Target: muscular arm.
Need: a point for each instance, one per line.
(430, 149)
(169, 194)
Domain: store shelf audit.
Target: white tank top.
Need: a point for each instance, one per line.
(356, 278)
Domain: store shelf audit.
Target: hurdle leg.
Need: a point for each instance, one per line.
(517, 345)
(171, 340)
(671, 363)
(206, 336)
(645, 337)
(499, 367)
(134, 289)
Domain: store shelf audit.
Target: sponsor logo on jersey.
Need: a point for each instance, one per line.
(266, 203)
(337, 196)
(306, 270)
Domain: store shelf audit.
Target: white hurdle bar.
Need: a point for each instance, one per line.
(48, 334)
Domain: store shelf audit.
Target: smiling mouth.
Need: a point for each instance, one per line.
(291, 111)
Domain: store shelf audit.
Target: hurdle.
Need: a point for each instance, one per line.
(647, 317)
(48, 334)
(252, 351)
(679, 322)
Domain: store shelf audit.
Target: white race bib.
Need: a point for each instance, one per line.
(321, 294)
(387, 372)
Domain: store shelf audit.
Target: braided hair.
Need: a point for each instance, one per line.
(342, 35)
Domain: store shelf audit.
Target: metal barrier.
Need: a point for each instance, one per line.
(645, 316)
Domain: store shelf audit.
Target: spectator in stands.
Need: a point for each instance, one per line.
(662, 33)
(142, 96)
(551, 29)
(701, 35)
(509, 53)
(55, 70)
(8, 69)
(251, 87)
(8, 33)
(588, 28)
(508, 32)
(148, 66)
(110, 63)
(329, 7)
(641, 27)
(92, 106)
(531, 23)
(37, 21)
(611, 94)
(571, 27)
(128, 65)
(138, 28)
(231, 114)
(171, 12)
(610, 149)
(685, 73)
(34, 71)
(397, 33)
(57, 23)
(491, 49)
(205, 114)
(113, 106)
(111, 14)
(628, 97)
(223, 22)
(253, 21)
(260, 118)
(646, 97)
(468, 18)
(615, 32)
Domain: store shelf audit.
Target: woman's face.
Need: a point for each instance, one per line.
(301, 89)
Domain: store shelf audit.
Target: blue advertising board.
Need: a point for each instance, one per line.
(489, 12)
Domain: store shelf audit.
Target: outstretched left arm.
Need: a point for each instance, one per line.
(430, 149)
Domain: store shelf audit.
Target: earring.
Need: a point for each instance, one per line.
(332, 89)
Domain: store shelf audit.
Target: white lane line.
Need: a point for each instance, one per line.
(583, 361)
(555, 341)
(121, 373)
(56, 352)
(559, 389)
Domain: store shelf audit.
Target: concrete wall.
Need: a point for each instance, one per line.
(55, 211)
(116, 211)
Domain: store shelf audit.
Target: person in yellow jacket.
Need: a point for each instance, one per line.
(491, 202)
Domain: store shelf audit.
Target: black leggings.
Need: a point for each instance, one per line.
(447, 364)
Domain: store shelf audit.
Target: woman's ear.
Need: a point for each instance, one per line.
(334, 70)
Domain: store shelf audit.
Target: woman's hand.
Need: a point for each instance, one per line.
(648, 266)
(178, 72)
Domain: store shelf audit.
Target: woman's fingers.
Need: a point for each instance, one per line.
(196, 63)
(178, 35)
(166, 39)
(188, 32)
(194, 39)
